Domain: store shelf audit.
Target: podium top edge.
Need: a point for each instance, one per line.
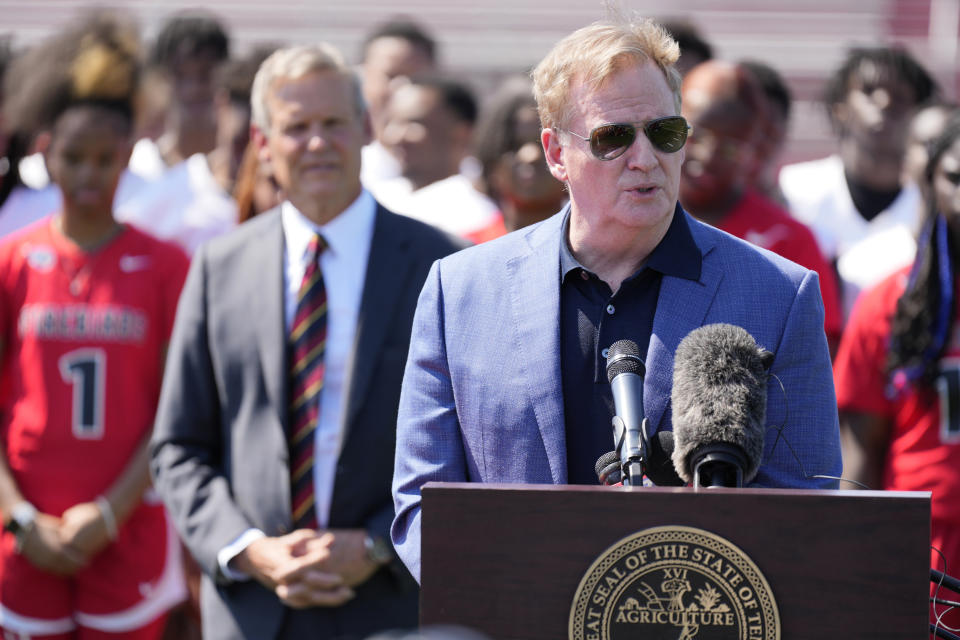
(431, 487)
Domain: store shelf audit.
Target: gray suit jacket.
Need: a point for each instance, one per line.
(219, 451)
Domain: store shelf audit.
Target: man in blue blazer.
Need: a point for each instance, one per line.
(505, 380)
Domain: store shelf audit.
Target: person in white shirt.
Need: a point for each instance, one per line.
(860, 191)
(429, 127)
(190, 202)
(189, 48)
(392, 51)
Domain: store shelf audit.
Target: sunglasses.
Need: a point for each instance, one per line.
(610, 141)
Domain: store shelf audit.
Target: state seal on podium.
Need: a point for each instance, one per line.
(674, 583)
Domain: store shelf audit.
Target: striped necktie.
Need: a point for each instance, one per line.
(308, 339)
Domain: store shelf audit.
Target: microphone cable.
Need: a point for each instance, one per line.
(782, 436)
(942, 581)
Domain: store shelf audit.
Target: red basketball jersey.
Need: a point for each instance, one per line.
(924, 446)
(83, 338)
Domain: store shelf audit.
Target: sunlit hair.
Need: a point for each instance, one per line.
(593, 54)
(94, 62)
(292, 63)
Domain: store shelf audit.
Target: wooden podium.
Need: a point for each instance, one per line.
(507, 559)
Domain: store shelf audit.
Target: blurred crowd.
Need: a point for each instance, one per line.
(874, 219)
(473, 167)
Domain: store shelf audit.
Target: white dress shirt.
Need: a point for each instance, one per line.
(344, 267)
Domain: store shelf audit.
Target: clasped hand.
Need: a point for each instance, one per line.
(308, 568)
(66, 544)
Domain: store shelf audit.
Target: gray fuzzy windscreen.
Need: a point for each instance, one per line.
(719, 394)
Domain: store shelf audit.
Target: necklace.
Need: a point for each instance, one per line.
(79, 276)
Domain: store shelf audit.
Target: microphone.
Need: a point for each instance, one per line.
(638, 453)
(625, 371)
(719, 403)
(659, 468)
(608, 468)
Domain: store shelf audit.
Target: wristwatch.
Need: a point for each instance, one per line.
(21, 519)
(378, 550)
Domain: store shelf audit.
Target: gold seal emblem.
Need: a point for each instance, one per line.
(674, 583)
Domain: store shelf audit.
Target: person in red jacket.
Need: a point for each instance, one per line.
(897, 372)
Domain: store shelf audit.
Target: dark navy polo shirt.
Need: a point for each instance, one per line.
(591, 319)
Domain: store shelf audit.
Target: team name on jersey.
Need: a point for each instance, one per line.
(82, 322)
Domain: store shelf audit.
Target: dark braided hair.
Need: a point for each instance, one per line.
(923, 318)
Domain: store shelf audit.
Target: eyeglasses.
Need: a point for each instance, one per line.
(610, 141)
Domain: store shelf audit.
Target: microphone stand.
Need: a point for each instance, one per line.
(952, 584)
(940, 632)
(632, 449)
(948, 581)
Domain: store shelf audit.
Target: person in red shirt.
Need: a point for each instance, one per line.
(897, 372)
(721, 101)
(86, 309)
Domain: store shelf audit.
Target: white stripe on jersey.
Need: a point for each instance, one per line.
(25, 625)
(170, 590)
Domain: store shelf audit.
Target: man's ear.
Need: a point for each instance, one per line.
(553, 152)
(259, 139)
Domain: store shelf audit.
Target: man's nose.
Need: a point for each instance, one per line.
(315, 138)
(640, 154)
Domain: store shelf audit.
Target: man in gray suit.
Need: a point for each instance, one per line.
(224, 456)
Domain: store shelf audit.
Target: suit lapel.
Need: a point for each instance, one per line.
(266, 275)
(388, 270)
(681, 308)
(535, 297)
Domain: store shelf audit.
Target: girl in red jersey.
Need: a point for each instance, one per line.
(86, 307)
(897, 371)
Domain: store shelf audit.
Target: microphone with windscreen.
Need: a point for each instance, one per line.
(608, 468)
(635, 452)
(719, 403)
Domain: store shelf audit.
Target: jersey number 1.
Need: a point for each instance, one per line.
(85, 370)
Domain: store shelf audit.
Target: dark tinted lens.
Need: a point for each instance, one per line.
(609, 141)
(667, 134)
